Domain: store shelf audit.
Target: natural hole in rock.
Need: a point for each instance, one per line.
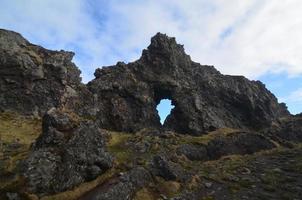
(164, 109)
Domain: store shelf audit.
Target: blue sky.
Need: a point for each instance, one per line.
(260, 39)
(164, 108)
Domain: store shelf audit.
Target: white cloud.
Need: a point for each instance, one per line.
(262, 36)
(249, 38)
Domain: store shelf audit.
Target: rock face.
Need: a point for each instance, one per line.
(204, 99)
(67, 153)
(34, 79)
(124, 97)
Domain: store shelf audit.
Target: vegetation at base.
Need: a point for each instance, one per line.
(17, 133)
(117, 146)
(15, 128)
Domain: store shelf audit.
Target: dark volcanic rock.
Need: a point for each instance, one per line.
(67, 153)
(123, 187)
(34, 79)
(237, 143)
(161, 166)
(124, 97)
(204, 99)
(194, 152)
(287, 129)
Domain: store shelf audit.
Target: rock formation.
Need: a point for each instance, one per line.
(34, 79)
(68, 152)
(107, 136)
(124, 97)
(204, 99)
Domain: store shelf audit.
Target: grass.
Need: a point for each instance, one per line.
(205, 139)
(17, 133)
(16, 128)
(117, 146)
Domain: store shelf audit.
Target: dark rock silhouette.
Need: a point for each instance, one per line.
(204, 99)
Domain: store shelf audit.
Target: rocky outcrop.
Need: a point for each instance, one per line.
(123, 188)
(287, 129)
(68, 152)
(204, 99)
(239, 143)
(34, 79)
(124, 97)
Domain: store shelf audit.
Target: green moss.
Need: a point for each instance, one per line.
(117, 146)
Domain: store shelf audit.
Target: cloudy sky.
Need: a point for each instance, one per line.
(260, 39)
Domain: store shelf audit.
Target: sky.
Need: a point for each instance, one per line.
(260, 39)
(164, 109)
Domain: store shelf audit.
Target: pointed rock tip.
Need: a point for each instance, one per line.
(162, 40)
(163, 44)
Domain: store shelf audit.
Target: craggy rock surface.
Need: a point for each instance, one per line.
(286, 129)
(124, 97)
(236, 143)
(34, 79)
(122, 188)
(277, 175)
(204, 99)
(67, 153)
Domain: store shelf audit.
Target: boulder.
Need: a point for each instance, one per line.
(123, 188)
(163, 167)
(67, 153)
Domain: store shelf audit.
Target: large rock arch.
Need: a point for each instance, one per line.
(204, 99)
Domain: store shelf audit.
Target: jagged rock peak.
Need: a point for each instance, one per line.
(165, 48)
(163, 43)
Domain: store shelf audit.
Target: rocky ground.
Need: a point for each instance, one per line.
(150, 164)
